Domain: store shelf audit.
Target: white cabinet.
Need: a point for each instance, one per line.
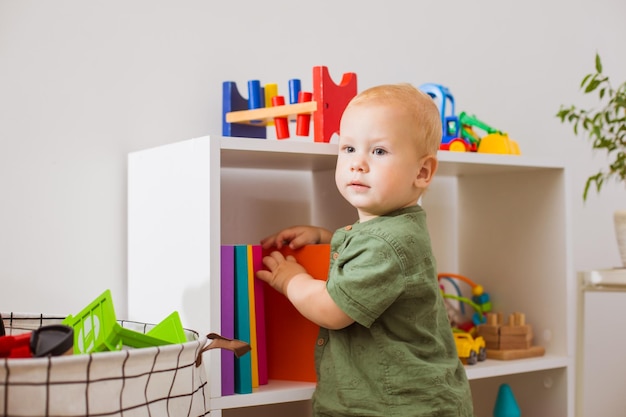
(499, 219)
(601, 363)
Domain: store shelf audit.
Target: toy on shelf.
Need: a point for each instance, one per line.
(458, 134)
(470, 349)
(506, 405)
(495, 141)
(480, 302)
(247, 118)
(451, 140)
(96, 329)
(513, 340)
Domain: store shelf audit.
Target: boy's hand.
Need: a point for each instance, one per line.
(296, 237)
(280, 271)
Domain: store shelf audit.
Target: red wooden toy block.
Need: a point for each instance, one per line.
(332, 100)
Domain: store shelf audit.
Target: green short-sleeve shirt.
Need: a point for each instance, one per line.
(399, 357)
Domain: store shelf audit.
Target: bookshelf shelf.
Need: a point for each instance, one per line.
(494, 368)
(274, 392)
(499, 219)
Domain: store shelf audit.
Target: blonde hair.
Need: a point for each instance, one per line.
(419, 106)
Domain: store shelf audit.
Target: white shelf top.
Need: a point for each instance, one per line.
(471, 163)
(274, 392)
(492, 367)
(287, 391)
(300, 155)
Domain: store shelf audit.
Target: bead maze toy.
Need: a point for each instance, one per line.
(480, 302)
(325, 104)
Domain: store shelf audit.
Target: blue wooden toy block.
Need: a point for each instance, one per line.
(232, 100)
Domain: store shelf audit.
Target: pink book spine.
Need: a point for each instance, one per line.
(257, 263)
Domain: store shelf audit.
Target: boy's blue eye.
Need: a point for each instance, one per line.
(379, 151)
(349, 149)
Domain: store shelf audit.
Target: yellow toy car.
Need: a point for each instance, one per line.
(470, 349)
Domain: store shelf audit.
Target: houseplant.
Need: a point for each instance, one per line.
(605, 128)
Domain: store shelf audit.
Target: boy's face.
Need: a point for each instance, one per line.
(379, 167)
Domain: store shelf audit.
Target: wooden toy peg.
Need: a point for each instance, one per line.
(294, 91)
(282, 123)
(303, 120)
(254, 94)
(271, 90)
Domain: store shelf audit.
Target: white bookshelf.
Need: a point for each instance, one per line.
(501, 220)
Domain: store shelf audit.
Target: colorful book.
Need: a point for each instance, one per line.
(291, 357)
(259, 305)
(227, 265)
(243, 364)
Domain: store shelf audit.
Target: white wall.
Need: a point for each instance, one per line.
(84, 83)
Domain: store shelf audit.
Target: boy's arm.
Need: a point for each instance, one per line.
(311, 299)
(307, 294)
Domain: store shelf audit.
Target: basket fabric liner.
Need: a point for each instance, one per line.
(155, 381)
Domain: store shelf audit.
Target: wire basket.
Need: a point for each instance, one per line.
(164, 380)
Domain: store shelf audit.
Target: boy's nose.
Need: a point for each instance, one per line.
(358, 165)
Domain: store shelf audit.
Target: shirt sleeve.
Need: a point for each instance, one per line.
(366, 278)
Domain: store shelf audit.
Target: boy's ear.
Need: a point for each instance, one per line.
(428, 167)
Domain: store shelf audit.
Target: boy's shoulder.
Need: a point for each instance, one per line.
(404, 230)
(407, 220)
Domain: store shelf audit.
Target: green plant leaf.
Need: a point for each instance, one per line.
(593, 84)
(562, 114)
(598, 63)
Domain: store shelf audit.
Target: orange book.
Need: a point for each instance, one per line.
(290, 337)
